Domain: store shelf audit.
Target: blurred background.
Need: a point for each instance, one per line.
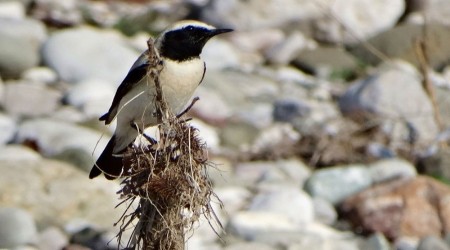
(327, 120)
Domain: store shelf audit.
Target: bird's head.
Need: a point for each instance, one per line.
(184, 40)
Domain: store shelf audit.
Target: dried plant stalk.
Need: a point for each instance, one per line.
(168, 177)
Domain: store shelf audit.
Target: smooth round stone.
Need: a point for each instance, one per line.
(17, 227)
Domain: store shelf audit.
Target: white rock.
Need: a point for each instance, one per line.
(53, 136)
(18, 153)
(7, 129)
(389, 169)
(283, 52)
(256, 16)
(94, 97)
(102, 55)
(40, 75)
(12, 9)
(249, 224)
(17, 227)
(300, 210)
(233, 198)
(350, 21)
(256, 40)
(20, 42)
(25, 99)
(52, 239)
(220, 54)
(324, 211)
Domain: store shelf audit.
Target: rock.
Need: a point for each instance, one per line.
(338, 183)
(40, 75)
(437, 11)
(211, 108)
(275, 141)
(401, 208)
(287, 110)
(291, 171)
(389, 169)
(285, 51)
(52, 238)
(406, 243)
(7, 129)
(344, 22)
(324, 211)
(257, 41)
(30, 100)
(249, 246)
(12, 10)
(399, 42)
(377, 241)
(395, 96)
(220, 54)
(314, 236)
(112, 60)
(275, 201)
(93, 97)
(20, 41)
(53, 137)
(432, 243)
(256, 16)
(443, 103)
(77, 157)
(17, 153)
(436, 164)
(327, 62)
(249, 224)
(17, 227)
(61, 13)
(56, 193)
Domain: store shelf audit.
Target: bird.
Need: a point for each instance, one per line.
(179, 48)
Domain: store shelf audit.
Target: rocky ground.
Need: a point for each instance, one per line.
(328, 126)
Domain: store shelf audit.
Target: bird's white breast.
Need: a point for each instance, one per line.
(178, 81)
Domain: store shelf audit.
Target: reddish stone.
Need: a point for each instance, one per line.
(413, 207)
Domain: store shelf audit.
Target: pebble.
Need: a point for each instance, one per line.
(7, 128)
(324, 211)
(17, 227)
(377, 241)
(335, 184)
(52, 238)
(385, 170)
(432, 243)
(20, 41)
(93, 97)
(300, 210)
(112, 60)
(285, 51)
(53, 137)
(23, 99)
(249, 224)
(220, 54)
(42, 75)
(18, 153)
(12, 10)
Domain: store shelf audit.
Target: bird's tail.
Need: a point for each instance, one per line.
(107, 163)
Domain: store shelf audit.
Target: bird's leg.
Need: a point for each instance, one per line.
(134, 125)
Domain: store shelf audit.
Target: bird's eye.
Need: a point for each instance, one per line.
(190, 27)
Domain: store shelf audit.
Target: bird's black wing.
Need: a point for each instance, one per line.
(136, 73)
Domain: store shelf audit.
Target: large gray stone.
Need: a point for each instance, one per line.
(337, 183)
(299, 211)
(84, 53)
(20, 41)
(17, 227)
(394, 96)
(30, 100)
(432, 243)
(53, 136)
(56, 193)
(351, 21)
(389, 169)
(7, 128)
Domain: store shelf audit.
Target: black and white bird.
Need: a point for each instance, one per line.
(179, 47)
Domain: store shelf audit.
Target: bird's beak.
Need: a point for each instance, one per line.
(219, 31)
